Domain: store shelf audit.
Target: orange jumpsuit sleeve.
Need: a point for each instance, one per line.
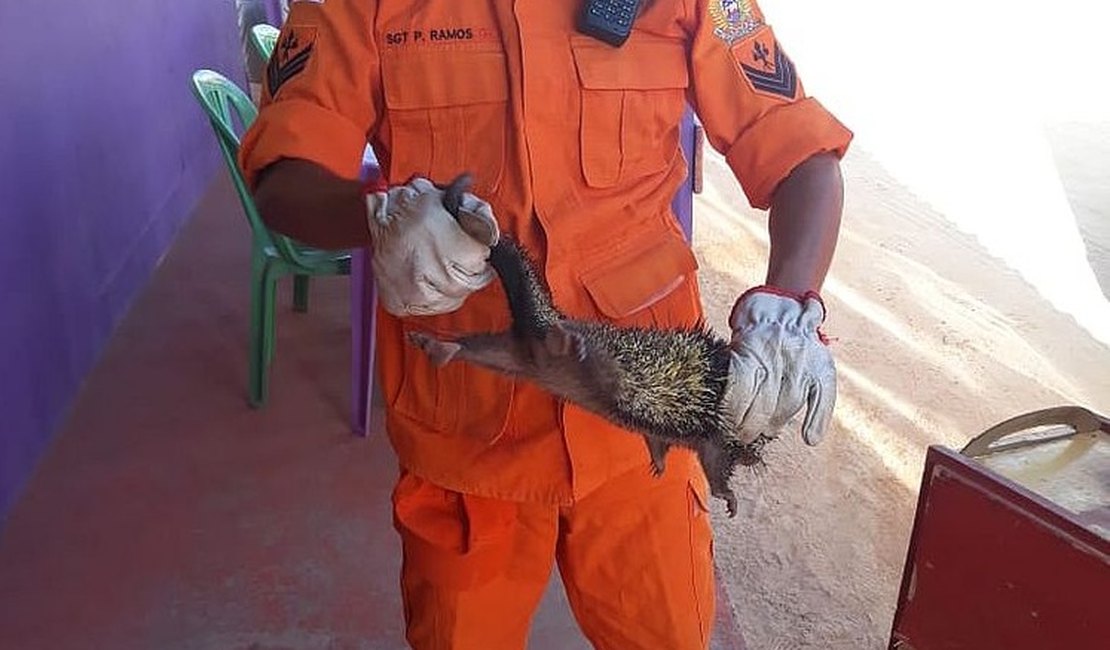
(750, 100)
(320, 91)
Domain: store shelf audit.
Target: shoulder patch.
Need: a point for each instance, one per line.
(766, 66)
(291, 54)
(733, 19)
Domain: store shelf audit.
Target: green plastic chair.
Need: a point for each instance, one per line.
(263, 38)
(273, 256)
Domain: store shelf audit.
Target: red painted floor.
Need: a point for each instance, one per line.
(167, 515)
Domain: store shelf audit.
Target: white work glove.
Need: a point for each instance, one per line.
(424, 263)
(780, 365)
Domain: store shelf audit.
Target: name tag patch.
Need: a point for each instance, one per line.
(439, 35)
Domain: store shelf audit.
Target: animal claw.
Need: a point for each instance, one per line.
(729, 498)
(440, 352)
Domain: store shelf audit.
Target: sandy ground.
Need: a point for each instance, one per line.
(970, 283)
(936, 341)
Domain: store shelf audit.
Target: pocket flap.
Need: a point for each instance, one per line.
(636, 282)
(638, 65)
(428, 80)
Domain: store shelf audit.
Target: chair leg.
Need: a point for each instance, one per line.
(270, 316)
(257, 349)
(364, 321)
(300, 293)
(371, 354)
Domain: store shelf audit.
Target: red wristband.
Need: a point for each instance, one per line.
(375, 184)
(800, 297)
(785, 293)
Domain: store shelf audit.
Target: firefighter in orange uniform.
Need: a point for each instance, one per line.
(574, 148)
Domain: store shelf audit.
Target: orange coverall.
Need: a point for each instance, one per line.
(575, 145)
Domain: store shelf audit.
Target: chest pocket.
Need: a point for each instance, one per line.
(646, 282)
(447, 113)
(633, 98)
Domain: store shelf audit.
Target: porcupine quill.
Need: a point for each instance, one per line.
(666, 384)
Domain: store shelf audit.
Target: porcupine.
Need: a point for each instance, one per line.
(666, 384)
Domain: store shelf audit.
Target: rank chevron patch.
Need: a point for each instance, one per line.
(767, 67)
(291, 55)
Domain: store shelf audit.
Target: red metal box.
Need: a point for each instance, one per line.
(1011, 540)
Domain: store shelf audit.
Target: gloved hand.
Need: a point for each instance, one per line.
(424, 263)
(780, 365)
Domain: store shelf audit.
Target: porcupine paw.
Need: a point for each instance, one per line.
(657, 450)
(440, 352)
(561, 342)
(729, 498)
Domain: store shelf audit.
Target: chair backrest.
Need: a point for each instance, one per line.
(263, 38)
(224, 103)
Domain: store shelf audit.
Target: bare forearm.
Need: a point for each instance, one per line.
(805, 224)
(304, 201)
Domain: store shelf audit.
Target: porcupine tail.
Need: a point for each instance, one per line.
(530, 303)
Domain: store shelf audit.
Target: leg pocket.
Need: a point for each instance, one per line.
(474, 569)
(636, 557)
(460, 539)
(702, 568)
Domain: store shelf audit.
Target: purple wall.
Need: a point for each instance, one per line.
(103, 154)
